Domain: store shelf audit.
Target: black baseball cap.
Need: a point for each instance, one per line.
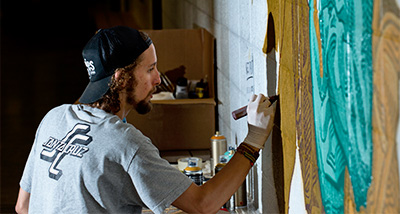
(106, 51)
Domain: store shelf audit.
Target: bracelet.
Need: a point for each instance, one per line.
(248, 152)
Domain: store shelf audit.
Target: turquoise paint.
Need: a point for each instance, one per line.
(342, 98)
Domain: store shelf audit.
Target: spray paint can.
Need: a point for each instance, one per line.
(193, 171)
(240, 196)
(221, 163)
(218, 148)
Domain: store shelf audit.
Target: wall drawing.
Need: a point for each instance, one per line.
(291, 20)
(384, 193)
(339, 101)
(342, 94)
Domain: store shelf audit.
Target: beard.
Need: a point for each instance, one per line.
(142, 107)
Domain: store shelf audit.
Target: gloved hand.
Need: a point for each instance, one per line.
(260, 120)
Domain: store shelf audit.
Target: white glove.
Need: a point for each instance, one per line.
(260, 120)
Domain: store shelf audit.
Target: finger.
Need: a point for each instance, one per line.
(271, 109)
(263, 101)
(267, 102)
(261, 98)
(273, 105)
(253, 98)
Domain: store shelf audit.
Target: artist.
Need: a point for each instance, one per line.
(87, 159)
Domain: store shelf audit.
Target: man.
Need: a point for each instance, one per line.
(87, 159)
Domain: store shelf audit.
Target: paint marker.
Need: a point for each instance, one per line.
(241, 112)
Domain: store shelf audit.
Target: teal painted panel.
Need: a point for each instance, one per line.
(342, 98)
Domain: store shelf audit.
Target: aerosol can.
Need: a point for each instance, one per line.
(194, 171)
(218, 148)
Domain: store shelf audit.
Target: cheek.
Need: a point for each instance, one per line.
(146, 85)
(143, 86)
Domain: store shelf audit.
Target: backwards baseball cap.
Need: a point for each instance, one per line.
(107, 50)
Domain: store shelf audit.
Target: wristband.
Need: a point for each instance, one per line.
(248, 153)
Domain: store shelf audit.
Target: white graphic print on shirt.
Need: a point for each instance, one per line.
(74, 144)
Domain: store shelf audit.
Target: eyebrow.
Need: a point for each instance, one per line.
(155, 63)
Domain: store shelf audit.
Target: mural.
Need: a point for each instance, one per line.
(342, 95)
(339, 92)
(384, 193)
(291, 23)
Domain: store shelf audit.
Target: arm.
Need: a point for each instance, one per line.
(210, 197)
(22, 201)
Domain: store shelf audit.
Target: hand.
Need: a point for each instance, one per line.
(260, 120)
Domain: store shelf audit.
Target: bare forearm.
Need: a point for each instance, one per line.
(22, 202)
(210, 197)
(224, 184)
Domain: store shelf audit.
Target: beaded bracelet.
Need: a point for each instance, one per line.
(248, 152)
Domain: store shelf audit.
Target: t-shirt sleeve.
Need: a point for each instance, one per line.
(157, 182)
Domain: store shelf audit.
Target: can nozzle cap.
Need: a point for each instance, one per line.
(217, 136)
(193, 162)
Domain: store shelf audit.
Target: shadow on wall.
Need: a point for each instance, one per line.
(277, 152)
(271, 58)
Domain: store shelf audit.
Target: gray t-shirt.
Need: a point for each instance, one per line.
(85, 160)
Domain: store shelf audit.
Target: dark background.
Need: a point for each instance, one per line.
(41, 68)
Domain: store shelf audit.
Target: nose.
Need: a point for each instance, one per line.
(157, 79)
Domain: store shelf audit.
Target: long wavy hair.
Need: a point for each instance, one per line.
(110, 101)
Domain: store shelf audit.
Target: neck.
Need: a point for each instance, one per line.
(125, 108)
(123, 112)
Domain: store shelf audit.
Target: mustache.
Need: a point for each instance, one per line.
(152, 91)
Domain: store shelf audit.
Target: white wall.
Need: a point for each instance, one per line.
(239, 27)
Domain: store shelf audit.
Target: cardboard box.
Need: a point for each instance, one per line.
(182, 124)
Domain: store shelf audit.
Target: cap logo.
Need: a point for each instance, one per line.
(90, 68)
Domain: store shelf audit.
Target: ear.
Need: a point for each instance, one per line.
(119, 77)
